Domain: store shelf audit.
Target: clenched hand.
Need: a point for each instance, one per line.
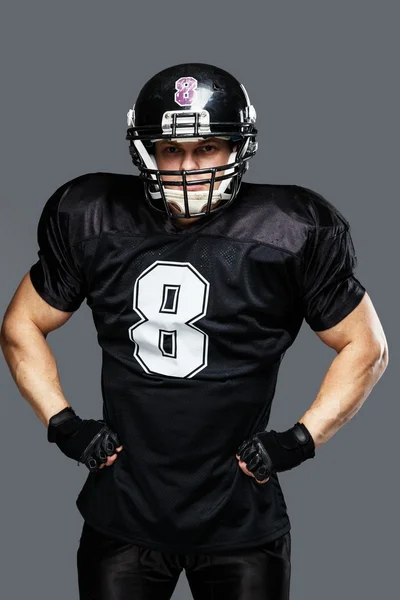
(111, 459)
(242, 465)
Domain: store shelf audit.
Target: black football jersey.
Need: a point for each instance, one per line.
(193, 324)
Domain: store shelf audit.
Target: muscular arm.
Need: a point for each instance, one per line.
(361, 361)
(32, 364)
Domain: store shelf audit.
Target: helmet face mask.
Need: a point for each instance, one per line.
(186, 103)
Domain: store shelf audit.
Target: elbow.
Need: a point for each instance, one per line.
(15, 331)
(381, 351)
(378, 357)
(4, 340)
(373, 354)
(384, 356)
(3, 336)
(8, 328)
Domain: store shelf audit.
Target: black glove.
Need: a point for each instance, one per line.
(87, 441)
(269, 451)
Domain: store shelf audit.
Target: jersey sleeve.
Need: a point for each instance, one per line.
(331, 290)
(57, 276)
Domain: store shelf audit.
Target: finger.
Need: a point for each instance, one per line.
(249, 473)
(244, 468)
(108, 446)
(119, 449)
(110, 460)
(243, 465)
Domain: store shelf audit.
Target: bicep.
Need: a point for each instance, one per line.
(361, 325)
(27, 305)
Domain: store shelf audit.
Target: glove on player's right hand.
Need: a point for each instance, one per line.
(88, 441)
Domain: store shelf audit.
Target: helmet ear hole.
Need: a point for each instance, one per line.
(149, 145)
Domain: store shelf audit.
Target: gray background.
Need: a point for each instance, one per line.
(323, 77)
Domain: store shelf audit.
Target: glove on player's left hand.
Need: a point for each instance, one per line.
(269, 451)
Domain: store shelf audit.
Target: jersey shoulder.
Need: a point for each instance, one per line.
(322, 213)
(299, 204)
(83, 192)
(285, 216)
(79, 205)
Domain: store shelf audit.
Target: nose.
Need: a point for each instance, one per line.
(189, 162)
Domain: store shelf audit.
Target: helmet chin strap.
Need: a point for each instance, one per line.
(196, 199)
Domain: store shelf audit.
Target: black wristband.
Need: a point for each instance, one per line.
(63, 424)
(269, 451)
(288, 449)
(89, 442)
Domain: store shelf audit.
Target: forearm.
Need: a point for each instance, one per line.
(33, 367)
(346, 385)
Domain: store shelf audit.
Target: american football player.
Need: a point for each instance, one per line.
(198, 282)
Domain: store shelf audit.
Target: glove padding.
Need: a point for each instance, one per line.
(269, 451)
(89, 442)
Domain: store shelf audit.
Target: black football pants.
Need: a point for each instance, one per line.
(109, 569)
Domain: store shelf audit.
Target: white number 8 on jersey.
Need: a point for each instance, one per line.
(170, 297)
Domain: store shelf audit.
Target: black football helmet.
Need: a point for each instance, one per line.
(183, 103)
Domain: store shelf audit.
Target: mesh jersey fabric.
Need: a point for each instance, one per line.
(193, 325)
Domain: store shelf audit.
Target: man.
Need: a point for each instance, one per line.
(198, 283)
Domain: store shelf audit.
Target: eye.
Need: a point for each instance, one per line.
(208, 148)
(171, 149)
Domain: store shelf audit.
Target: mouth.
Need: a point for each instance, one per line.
(190, 188)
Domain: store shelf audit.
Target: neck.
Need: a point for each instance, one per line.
(185, 222)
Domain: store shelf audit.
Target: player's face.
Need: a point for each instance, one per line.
(185, 156)
(177, 156)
